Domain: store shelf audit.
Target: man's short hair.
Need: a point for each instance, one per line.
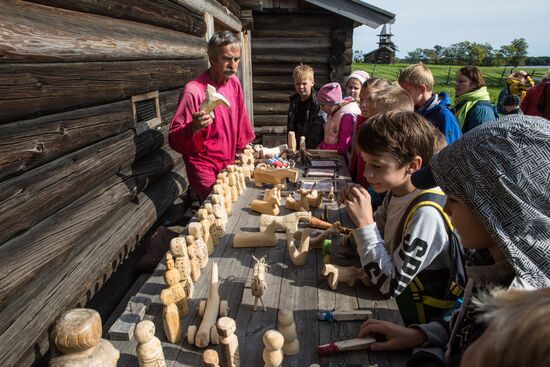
(403, 134)
(417, 75)
(520, 324)
(221, 39)
(392, 98)
(302, 71)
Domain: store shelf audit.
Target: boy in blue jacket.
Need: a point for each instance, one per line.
(418, 81)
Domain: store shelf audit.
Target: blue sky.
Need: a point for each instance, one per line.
(426, 23)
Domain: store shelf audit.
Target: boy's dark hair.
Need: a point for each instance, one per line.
(402, 134)
(474, 74)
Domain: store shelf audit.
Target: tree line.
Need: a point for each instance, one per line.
(472, 53)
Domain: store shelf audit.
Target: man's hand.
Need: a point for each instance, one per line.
(358, 204)
(397, 336)
(200, 120)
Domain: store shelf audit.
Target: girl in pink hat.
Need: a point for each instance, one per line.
(342, 116)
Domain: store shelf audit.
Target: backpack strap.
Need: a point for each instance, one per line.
(435, 199)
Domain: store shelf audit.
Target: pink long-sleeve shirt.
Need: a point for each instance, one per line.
(347, 125)
(213, 147)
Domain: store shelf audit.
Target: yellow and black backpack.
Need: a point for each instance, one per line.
(433, 293)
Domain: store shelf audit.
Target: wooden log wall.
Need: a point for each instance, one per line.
(280, 41)
(78, 188)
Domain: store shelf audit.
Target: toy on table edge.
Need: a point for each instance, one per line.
(209, 310)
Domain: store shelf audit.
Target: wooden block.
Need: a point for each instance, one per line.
(344, 345)
(124, 326)
(351, 315)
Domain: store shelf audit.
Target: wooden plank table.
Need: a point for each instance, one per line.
(302, 289)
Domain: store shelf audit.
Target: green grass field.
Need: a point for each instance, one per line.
(444, 75)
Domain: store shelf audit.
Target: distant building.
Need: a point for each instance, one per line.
(385, 53)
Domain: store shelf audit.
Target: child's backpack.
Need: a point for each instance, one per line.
(421, 301)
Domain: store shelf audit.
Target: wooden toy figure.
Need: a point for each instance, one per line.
(194, 259)
(170, 316)
(247, 159)
(209, 311)
(274, 176)
(149, 350)
(202, 215)
(217, 227)
(218, 190)
(348, 274)
(270, 207)
(232, 182)
(289, 221)
(273, 344)
(302, 143)
(210, 358)
(218, 206)
(301, 205)
(332, 232)
(201, 250)
(291, 137)
(229, 342)
(77, 337)
(315, 198)
(258, 286)
(258, 239)
(241, 180)
(274, 192)
(213, 99)
(298, 256)
(223, 180)
(172, 279)
(178, 247)
(197, 231)
(287, 327)
(273, 152)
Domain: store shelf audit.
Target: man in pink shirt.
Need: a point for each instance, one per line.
(209, 144)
